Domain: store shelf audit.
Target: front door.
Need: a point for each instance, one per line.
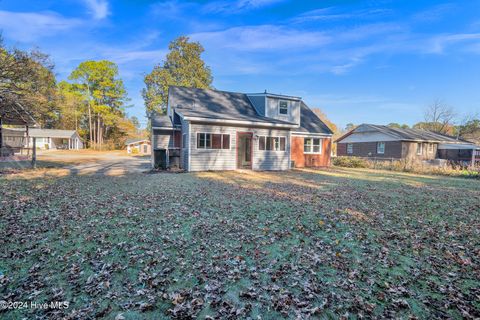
(244, 150)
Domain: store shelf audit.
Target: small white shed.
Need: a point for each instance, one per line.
(138, 146)
(56, 139)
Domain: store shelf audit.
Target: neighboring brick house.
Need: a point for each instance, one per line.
(208, 129)
(369, 140)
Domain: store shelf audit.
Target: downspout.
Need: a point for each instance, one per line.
(289, 149)
(189, 146)
(152, 151)
(473, 157)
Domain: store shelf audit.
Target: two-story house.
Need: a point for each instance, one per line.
(206, 129)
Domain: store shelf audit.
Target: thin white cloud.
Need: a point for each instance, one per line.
(435, 13)
(292, 48)
(331, 14)
(99, 9)
(344, 68)
(438, 44)
(238, 6)
(277, 49)
(123, 57)
(261, 38)
(30, 26)
(172, 9)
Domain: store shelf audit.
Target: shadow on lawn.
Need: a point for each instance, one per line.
(326, 178)
(121, 167)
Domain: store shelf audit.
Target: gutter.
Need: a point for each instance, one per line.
(295, 133)
(166, 128)
(437, 141)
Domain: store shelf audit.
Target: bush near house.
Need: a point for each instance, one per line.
(350, 162)
(405, 165)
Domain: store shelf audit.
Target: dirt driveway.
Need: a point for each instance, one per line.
(95, 162)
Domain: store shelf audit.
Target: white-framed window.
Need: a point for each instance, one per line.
(213, 141)
(283, 107)
(312, 145)
(419, 148)
(271, 143)
(381, 147)
(430, 147)
(349, 148)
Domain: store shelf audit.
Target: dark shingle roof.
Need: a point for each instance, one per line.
(161, 120)
(408, 134)
(417, 134)
(310, 122)
(214, 104)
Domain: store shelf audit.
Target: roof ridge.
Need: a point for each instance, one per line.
(212, 89)
(237, 92)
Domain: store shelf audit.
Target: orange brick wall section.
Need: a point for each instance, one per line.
(310, 160)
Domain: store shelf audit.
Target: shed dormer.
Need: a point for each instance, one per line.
(276, 106)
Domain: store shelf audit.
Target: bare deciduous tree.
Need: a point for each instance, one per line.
(439, 117)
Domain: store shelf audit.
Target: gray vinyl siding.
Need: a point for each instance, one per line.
(271, 160)
(271, 110)
(221, 159)
(162, 139)
(212, 159)
(259, 103)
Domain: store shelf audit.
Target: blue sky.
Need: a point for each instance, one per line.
(374, 61)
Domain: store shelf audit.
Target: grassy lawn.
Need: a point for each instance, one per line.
(319, 244)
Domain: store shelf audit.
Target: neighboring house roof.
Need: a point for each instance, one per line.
(310, 122)
(51, 133)
(133, 141)
(211, 104)
(405, 134)
(161, 121)
(458, 146)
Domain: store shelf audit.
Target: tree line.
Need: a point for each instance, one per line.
(92, 101)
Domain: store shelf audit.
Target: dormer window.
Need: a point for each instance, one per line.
(283, 107)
